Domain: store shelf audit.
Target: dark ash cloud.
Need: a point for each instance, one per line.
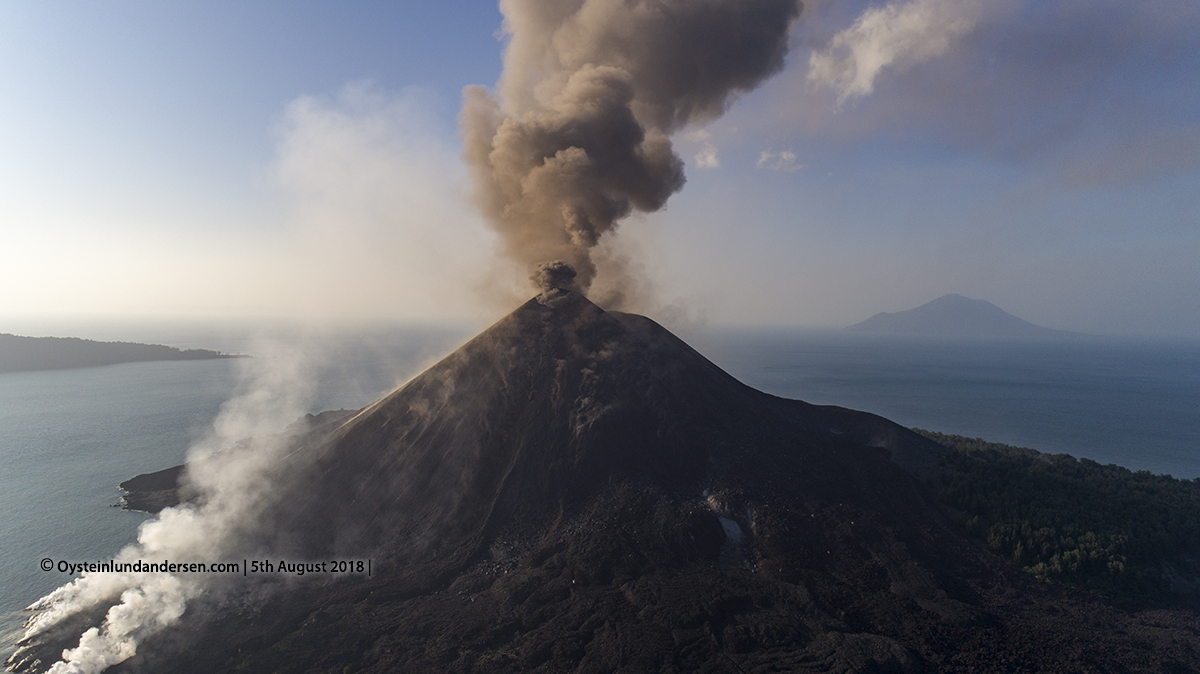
(551, 275)
(577, 136)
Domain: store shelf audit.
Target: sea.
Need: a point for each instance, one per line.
(69, 437)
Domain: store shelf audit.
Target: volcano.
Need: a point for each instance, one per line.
(577, 490)
(955, 316)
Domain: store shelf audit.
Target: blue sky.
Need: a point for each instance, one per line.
(300, 160)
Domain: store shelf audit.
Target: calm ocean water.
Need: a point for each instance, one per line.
(1132, 403)
(67, 438)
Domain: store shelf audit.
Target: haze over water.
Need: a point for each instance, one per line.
(1132, 403)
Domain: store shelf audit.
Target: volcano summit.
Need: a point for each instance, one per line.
(578, 490)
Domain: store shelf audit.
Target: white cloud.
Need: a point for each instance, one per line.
(896, 35)
(1086, 92)
(784, 160)
(707, 157)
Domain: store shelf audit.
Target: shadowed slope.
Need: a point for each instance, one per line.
(535, 414)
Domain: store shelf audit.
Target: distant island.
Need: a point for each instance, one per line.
(955, 316)
(26, 354)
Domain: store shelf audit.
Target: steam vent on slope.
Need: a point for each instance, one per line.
(577, 490)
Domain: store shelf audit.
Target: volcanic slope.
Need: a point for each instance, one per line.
(580, 491)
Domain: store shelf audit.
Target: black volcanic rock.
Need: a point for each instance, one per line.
(151, 492)
(575, 490)
(955, 316)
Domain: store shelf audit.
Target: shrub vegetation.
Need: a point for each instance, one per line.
(1102, 528)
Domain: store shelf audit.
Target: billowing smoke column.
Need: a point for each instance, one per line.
(591, 89)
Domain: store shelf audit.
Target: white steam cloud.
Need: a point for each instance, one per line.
(229, 474)
(897, 35)
(707, 157)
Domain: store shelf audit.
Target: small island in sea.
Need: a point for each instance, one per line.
(27, 354)
(955, 316)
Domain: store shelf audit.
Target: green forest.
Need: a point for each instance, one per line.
(1103, 528)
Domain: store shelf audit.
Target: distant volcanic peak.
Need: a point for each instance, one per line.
(954, 299)
(956, 302)
(956, 316)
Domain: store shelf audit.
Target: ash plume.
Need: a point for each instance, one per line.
(551, 275)
(577, 135)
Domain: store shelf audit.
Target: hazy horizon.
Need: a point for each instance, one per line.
(301, 163)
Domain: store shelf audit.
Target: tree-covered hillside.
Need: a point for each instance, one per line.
(1098, 527)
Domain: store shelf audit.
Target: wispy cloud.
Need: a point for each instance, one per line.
(784, 160)
(707, 157)
(1091, 92)
(896, 36)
